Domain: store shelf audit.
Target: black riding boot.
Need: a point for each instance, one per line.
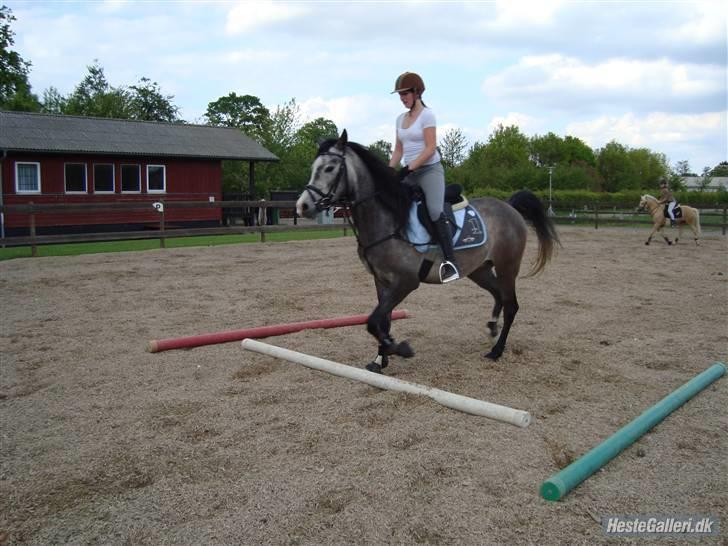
(448, 270)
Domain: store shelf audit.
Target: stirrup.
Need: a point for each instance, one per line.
(452, 276)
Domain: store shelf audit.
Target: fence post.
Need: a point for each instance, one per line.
(262, 219)
(33, 247)
(162, 234)
(596, 216)
(725, 216)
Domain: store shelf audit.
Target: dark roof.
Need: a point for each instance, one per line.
(30, 132)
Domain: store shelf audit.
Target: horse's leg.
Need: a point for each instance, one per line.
(694, 226)
(510, 308)
(503, 288)
(380, 321)
(655, 229)
(660, 225)
(486, 279)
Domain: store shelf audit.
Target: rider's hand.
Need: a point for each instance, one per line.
(404, 172)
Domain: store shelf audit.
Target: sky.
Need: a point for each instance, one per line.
(644, 73)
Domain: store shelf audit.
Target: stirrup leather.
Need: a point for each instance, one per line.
(453, 276)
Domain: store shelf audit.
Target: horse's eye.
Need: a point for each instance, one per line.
(329, 169)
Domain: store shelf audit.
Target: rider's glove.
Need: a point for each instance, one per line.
(404, 172)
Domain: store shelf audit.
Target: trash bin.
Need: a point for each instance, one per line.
(284, 195)
(325, 217)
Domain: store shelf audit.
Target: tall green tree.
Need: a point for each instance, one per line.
(53, 101)
(648, 167)
(507, 147)
(15, 90)
(244, 112)
(721, 169)
(94, 96)
(283, 124)
(548, 150)
(382, 149)
(578, 152)
(615, 167)
(146, 102)
(452, 148)
(313, 132)
(682, 168)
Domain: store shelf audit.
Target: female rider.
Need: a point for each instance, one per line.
(666, 197)
(416, 142)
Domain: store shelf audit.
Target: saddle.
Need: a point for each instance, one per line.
(677, 211)
(454, 200)
(467, 226)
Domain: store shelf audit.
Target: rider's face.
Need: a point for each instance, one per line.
(407, 98)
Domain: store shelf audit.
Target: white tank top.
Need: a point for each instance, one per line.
(413, 138)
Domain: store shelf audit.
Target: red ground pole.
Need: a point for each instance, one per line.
(159, 345)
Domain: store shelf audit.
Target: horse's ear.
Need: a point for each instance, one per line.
(343, 139)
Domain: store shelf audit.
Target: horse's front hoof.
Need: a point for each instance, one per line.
(374, 367)
(647, 242)
(493, 355)
(404, 350)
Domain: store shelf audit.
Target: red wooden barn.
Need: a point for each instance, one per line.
(75, 160)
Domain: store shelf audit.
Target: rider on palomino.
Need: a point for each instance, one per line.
(667, 198)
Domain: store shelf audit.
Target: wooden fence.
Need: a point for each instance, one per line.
(596, 214)
(711, 216)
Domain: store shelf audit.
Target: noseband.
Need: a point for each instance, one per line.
(326, 200)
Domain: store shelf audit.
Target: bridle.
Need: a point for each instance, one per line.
(326, 200)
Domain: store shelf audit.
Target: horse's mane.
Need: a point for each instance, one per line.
(394, 195)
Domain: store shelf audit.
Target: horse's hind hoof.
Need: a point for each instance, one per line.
(404, 350)
(492, 355)
(374, 367)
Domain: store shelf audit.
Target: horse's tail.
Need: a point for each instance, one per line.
(532, 210)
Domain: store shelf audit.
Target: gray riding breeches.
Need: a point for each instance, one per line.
(431, 178)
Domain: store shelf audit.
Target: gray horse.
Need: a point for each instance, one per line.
(347, 174)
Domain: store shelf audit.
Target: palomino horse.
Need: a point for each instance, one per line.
(347, 174)
(691, 216)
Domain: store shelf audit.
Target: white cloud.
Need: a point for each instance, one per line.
(525, 13)
(701, 137)
(360, 115)
(568, 83)
(251, 15)
(528, 125)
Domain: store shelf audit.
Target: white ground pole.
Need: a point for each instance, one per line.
(455, 401)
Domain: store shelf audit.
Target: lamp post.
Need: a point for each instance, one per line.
(551, 210)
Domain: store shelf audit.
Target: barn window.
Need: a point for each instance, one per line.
(130, 178)
(27, 177)
(103, 178)
(75, 178)
(156, 179)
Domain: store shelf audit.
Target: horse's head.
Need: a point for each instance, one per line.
(328, 183)
(647, 202)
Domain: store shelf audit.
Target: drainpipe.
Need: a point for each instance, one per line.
(2, 214)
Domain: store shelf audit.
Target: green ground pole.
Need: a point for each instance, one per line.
(558, 485)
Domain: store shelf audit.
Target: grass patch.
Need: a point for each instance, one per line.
(77, 249)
